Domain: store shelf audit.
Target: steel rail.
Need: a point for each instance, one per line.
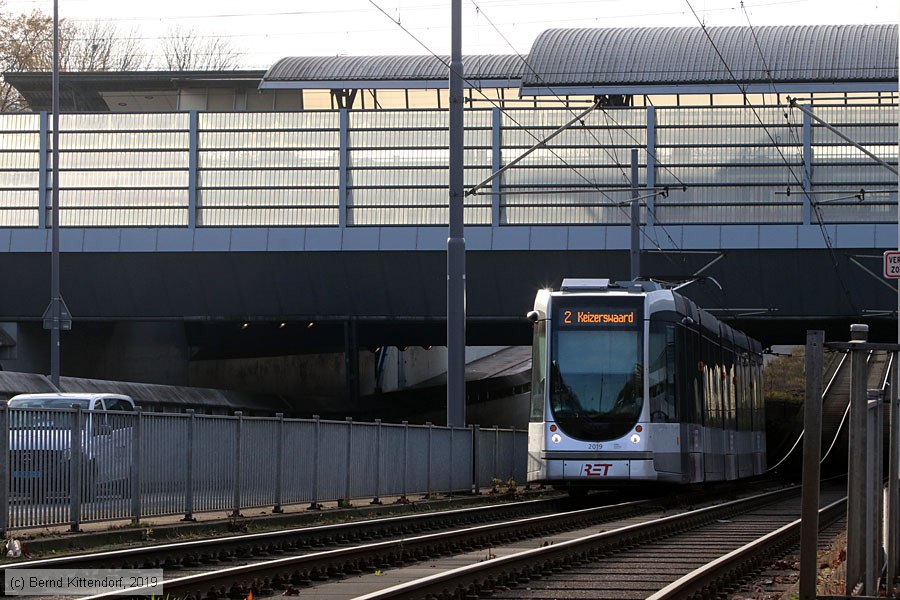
(302, 570)
(715, 576)
(520, 567)
(172, 554)
(265, 577)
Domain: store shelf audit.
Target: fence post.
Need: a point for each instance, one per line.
(874, 440)
(403, 499)
(450, 461)
(314, 504)
(512, 453)
(893, 508)
(812, 451)
(476, 458)
(239, 432)
(279, 462)
(376, 499)
(136, 442)
(496, 470)
(856, 479)
(4, 467)
(430, 426)
(345, 502)
(76, 446)
(189, 469)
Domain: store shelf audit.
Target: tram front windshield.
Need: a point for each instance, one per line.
(596, 387)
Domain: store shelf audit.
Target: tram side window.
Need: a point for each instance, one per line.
(712, 382)
(662, 372)
(728, 380)
(688, 377)
(747, 393)
(538, 370)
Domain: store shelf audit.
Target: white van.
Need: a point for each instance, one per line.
(41, 449)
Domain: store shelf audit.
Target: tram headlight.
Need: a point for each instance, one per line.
(556, 438)
(635, 438)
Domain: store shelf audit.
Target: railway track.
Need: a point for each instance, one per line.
(692, 555)
(267, 564)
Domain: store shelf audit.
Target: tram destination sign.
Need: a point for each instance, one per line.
(892, 264)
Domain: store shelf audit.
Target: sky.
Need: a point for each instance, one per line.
(264, 31)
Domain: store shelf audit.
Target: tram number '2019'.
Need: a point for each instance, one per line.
(595, 469)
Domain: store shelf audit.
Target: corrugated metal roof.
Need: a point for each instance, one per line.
(390, 68)
(684, 55)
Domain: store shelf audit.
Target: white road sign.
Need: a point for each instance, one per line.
(892, 264)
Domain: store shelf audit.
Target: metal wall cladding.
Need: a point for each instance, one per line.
(333, 463)
(301, 455)
(501, 456)
(364, 473)
(215, 454)
(132, 465)
(418, 457)
(259, 454)
(461, 452)
(722, 165)
(165, 459)
(394, 465)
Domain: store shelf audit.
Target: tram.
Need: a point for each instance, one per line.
(633, 382)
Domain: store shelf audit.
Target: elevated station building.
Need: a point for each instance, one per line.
(234, 215)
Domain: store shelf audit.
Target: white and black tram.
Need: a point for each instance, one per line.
(631, 381)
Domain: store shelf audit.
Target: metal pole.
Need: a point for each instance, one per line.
(279, 462)
(238, 457)
(348, 465)
(54, 236)
(317, 437)
(812, 450)
(875, 473)
(476, 459)
(76, 447)
(137, 435)
(456, 243)
(856, 463)
(189, 468)
(4, 467)
(635, 219)
(893, 548)
(893, 508)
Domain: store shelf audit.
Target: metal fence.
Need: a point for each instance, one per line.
(709, 165)
(67, 466)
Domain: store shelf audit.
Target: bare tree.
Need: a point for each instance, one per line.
(100, 46)
(26, 45)
(186, 50)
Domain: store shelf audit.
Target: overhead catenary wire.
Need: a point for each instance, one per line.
(609, 117)
(505, 113)
(654, 241)
(777, 148)
(791, 129)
